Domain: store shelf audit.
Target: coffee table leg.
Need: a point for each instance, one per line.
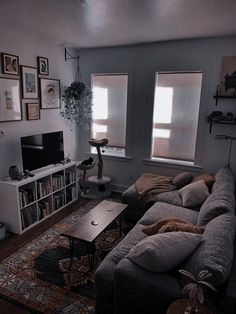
(71, 250)
(91, 253)
(121, 224)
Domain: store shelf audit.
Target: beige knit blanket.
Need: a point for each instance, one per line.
(149, 184)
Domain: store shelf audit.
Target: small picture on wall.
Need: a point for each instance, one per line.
(10, 64)
(50, 93)
(43, 66)
(29, 77)
(228, 77)
(32, 111)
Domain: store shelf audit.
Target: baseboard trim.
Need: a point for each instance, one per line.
(118, 188)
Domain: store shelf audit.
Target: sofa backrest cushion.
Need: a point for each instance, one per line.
(215, 253)
(162, 252)
(194, 194)
(221, 199)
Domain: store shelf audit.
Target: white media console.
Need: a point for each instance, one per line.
(25, 203)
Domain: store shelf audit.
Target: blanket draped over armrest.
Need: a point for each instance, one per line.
(149, 184)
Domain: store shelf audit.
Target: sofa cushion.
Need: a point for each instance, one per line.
(194, 194)
(162, 252)
(171, 197)
(162, 210)
(215, 254)
(182, 179)
(176, 223)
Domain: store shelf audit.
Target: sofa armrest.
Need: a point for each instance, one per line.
(137, 290)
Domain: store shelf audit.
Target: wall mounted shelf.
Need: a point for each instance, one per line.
(217, 96)
(221, 122)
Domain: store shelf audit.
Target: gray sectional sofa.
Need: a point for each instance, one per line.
(123, 286)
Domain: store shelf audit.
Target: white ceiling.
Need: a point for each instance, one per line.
(96, 23)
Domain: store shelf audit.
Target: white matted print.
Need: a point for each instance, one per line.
(29, 78)
(10, 105)
(50, 93)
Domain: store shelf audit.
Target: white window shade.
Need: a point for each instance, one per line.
(175, 117)
(109, 108)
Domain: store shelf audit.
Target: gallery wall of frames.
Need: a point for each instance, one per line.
(29, 83)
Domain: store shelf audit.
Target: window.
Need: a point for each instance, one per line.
(109, 110)
(175, 116)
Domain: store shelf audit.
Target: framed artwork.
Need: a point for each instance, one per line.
(10, 64)
(228, 77)
(50, 93)
(32, 111)
(29, 79)
(43, 66)
(10, 102)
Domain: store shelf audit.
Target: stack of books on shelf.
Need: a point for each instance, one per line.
(70, 177)
(71, 193)
(44, 188)
(26, 196)
(29, 215)
(57, 182)
(44, 209)
(58, 201)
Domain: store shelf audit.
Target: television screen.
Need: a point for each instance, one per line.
(41, 150)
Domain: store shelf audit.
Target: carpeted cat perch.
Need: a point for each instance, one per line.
(99, 186)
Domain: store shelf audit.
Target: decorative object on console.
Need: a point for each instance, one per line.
(77, 99)
(195, 289)
(10, 64)
(29, 78)
(10, 99)
(32, 111)
(226, 137)
(14, 173)
(50, 93)
(43, 66)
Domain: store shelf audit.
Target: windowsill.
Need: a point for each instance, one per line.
(110, 156)
(171, 163)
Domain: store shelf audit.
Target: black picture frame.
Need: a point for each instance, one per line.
(43, 65)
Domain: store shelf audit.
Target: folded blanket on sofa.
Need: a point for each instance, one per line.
(150, 184)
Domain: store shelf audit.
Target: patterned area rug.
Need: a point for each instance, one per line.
(42, 277)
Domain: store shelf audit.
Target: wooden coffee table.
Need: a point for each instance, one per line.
(92, 224)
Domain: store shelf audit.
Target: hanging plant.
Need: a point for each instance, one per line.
(78, 102)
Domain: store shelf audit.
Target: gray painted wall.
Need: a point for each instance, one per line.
(28, 48)
(141, 62)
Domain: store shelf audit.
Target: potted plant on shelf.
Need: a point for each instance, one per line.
(195, 289)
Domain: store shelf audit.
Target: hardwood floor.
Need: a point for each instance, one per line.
(14, 242)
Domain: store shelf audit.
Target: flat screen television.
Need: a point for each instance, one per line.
(41, 150)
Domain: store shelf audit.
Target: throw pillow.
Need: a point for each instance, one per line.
(182, 179)
(178, 226)
(207, 178)
(154, 228)
(162, 252)
(194, 194)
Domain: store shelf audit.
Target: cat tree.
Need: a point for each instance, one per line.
(99, 186)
